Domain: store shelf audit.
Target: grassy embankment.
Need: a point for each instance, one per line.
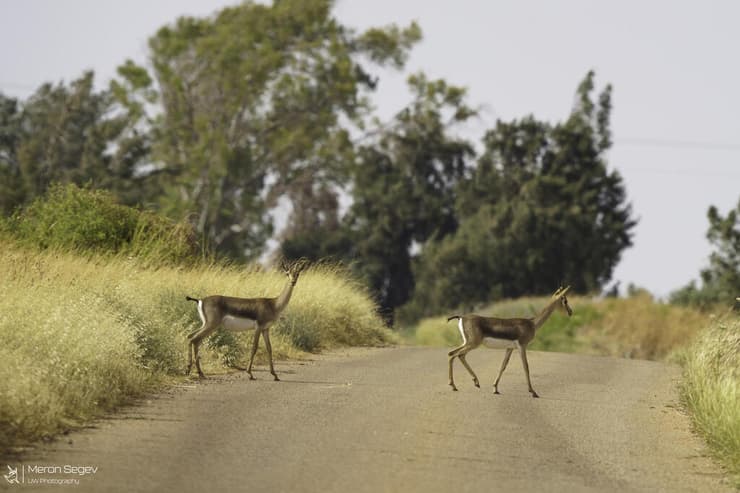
(707, 346)
(81, 336)
(711, 390)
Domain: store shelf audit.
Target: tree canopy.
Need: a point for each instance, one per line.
(540, 209)
(258, 102)
(268, 107)
(720, 280)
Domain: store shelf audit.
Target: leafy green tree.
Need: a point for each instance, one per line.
(403, 188)
(68, 134)
(11, 183)
(540, 208)
(721, 279)
(257, 100)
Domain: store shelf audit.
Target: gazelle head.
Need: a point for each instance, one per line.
(560, 296)
(293, 270)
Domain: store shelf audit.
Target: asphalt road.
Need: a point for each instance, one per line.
(385, 420)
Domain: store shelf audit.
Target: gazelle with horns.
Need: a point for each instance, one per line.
(506, 333)
(239, 314)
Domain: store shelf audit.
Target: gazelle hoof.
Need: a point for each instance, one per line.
(497, 392)
(534, 394)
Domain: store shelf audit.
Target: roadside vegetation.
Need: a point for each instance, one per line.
(83, 335)
(711, 390)
(87, 328)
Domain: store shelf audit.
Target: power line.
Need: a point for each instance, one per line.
(678, 144)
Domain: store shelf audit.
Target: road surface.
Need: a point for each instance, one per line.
(374, 420)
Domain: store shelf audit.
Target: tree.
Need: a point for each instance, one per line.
(68, 134)
(721, 279)
(403, 188)
(11, 182)
(541, 208)
(257, 99)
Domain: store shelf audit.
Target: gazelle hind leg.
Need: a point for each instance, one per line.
(196, 356)
(451, 356)
(470, 370)
(190, 358)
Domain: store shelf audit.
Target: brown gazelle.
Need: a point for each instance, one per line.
(504, 333)
(239, 314)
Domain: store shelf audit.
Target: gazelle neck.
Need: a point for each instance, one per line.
(542, 317)
(282, 300)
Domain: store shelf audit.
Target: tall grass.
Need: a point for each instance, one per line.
(83, 335)
(711, 390)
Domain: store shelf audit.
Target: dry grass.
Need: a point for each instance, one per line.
(711, 390)
(84, 335)
(638, 327)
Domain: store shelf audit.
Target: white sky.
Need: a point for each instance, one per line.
(673, 64)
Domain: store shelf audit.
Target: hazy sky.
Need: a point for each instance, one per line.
(673, 64)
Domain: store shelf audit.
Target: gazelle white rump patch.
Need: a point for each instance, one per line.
(200, 312)
(462, 331)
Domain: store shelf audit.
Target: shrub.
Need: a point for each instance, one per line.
(77, 219)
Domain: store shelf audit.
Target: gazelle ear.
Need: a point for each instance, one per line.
(565, 290)
(557, 293)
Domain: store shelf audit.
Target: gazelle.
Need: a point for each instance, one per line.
(239, 314)
(505, 333)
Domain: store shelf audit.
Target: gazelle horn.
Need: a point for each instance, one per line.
(561, 291)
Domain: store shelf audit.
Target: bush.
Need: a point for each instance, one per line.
(76, 219)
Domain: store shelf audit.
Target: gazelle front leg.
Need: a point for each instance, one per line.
(501, 371)
(523, 353)
(268, 346)
(255, 343)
